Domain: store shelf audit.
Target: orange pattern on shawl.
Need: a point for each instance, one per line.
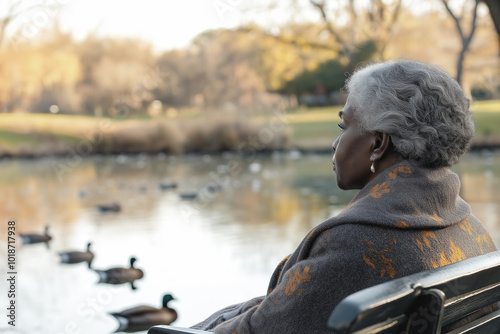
(401, 169)
(456, 255)
(380, 189)
(425, 235)
(402, 224)
(296, 279)
(377, 258)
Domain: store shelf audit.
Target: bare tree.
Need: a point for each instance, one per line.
(12, 12)
(383, 16)
(362, 21)
(378, 19)
(494, 7)
(14, 9)
(465, 38)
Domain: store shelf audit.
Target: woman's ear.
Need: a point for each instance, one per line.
(382, 142)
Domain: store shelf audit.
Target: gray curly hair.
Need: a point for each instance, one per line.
(421, 107)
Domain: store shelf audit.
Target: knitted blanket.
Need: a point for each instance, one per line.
(406, 220)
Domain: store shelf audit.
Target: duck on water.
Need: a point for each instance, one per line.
(33, 238)
(111, 207)
(121, 275)
(143, 317)
(78, 256)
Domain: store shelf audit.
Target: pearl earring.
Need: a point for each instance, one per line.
(372, 167)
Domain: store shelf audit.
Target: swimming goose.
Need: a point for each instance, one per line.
(113, 207)
(36, 238)
(141, 318)
(121, 275)
(167, 185)
(189, 195)
(77, 257)
(214, 187)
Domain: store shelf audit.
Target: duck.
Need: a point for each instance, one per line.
(188, 195)
(214, 187)
(121, 275)
(143, 317)
(112, 207)
(33, 238)
(77, 257)
(167, 185)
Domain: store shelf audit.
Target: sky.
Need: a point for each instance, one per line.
(166, 23)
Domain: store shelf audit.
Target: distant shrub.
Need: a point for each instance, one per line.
(143, 136)
(232, 134)
(61, 134)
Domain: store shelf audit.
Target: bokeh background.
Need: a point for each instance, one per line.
(235, 103)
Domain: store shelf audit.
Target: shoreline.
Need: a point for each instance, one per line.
(70, 152)
(42, 135)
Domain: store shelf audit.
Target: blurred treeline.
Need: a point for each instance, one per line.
(248, 69)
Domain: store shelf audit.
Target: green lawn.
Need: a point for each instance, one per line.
(8, 138)
(486, 106)
(487, 123)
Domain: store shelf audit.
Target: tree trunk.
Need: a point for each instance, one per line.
(466, 39)
(460, 65)
(494, 7)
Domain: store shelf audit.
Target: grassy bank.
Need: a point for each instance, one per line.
(47, 134)
(307, 129)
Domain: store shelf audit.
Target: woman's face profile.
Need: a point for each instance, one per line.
(353, 148)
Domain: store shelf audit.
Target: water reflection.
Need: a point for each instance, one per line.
(218, 249)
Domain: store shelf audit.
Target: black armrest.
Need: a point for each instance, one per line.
(447, 294)
(174, 330)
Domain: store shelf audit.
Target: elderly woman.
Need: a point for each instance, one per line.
(404, 124)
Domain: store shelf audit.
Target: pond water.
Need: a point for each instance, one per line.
(211, 252)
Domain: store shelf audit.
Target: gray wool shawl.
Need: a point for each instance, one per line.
(406, 220)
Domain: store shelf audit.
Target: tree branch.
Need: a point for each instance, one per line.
(286, 41)
(494, 8)
(455, 19)
(464, 39)
(12, 13)
(329, 26)
(352, 11)
(390, 27)
(473, 25)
